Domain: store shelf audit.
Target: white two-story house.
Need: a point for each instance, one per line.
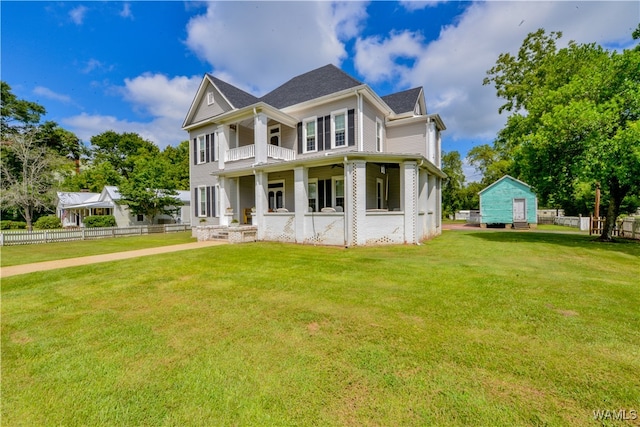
(321, 159)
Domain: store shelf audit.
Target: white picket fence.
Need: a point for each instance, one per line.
(8, 238)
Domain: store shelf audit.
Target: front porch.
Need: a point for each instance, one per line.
(345, 203)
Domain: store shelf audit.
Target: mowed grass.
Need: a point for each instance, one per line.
(486, 328)
(26, 254)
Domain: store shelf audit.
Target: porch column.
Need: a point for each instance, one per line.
(222, 136)
(423, 195)
(432, 141)
(262, 204)
(355, 205)
(224, 200)
(260, 137)
(409, 185)
(301, 200)
(432, 204)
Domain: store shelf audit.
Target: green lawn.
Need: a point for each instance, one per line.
(26, 254)
(483, 328)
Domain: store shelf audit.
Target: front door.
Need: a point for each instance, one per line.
(519, 210)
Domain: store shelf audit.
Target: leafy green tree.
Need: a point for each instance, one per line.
(28, 172)
(574, 120)
(491, 162)
(453, 185)
(121, 150)
(17, 115)
(148, 191)
(178, 164)
(92, 178)
(65, 142)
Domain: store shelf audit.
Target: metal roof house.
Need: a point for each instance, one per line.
(321, 159)
(74, 207)
(508, 201)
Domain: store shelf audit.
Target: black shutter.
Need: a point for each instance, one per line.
(195, 151)
(207, 191)
(351, 132)
(320, 133)
(300, 138)
(195, 198)
(207, 149)
(327, 132)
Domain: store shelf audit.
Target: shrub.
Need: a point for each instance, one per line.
(100, 221)
(48, 222)
(12, 225)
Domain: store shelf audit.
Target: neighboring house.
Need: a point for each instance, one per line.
(321, 159)
(508, 201)
(74, 207)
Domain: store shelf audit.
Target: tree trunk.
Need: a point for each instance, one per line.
(615, 199)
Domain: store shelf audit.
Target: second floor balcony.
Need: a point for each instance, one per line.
(249, 152)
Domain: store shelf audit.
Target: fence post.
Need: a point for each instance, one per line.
(1, 239)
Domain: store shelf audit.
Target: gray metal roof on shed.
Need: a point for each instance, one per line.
(311, 85)
(403, 102)
(237, 97)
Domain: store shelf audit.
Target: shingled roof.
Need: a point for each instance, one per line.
(403, 102)
(311, 85)
(237, 97)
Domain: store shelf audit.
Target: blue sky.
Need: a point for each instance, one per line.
(135, 66)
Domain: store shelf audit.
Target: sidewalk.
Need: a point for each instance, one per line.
(93, 259)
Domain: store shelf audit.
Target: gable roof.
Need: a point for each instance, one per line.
(506, 177)
(313, 84)
(403, 102)
(236, 97)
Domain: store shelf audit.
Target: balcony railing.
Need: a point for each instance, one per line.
(249, 151)
(244, 152)
(276, 152)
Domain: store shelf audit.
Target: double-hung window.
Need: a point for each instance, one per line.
(312, 195)
(202, 201)
(310, 135)
(338, 191)
(202, 149)
(339, 129)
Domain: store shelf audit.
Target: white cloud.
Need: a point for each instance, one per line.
(165, 100)
(452, 68)
(419, 4)
(50, 94)
(160, 96)
(270, 53)
(77, 14)
(126, 11)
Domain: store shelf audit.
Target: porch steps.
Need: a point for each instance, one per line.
(221, 234)
(521, 225)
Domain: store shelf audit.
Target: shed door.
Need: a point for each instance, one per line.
(519, 210)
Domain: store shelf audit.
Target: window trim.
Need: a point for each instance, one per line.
(278, 134)
(202, 201)
(313, 119)
(315, 182)
(275, 204)
(202, 149)
(334, 191)
(343, 113)
(210, 98)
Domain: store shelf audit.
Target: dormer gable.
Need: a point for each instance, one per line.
(215, 97)
(407, 103)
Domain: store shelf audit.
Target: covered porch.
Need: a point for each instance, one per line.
(337, 200)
